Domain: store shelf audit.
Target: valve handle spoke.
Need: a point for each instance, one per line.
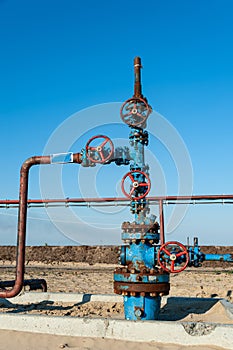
(143, 184)
(131, 191)
(104, 143)
(101, 156)
(131, 177)
(173, 266)
(166, 251)
(180, 254)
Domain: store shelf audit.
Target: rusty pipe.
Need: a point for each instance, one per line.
(22, 221)
(161, 222)
(137, 78)
(120, 199)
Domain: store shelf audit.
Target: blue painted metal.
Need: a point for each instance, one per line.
(139, 257)
(219, 257)
(196, 257)
(139, 235)
(61, 158)
(141, 308)
(140, 279)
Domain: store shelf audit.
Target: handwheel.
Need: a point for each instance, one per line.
(137, 185)
(168, 257)
(99, 154)
(135, 111)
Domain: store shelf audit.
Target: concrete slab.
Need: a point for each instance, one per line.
(180, 333)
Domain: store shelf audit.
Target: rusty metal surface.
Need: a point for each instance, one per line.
(137, 78)
(22, 218)
(126, 287)
(144, 271)
(120, 199)
(133, 227)
(161, 220)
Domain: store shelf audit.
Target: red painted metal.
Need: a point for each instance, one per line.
(173, 256)
(99, 149)
(135, 184)
(133, 109)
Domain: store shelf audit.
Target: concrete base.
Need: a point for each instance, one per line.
(181, 333)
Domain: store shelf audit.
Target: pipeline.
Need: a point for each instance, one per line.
(22, 221)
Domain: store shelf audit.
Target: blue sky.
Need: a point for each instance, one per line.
(59, 57)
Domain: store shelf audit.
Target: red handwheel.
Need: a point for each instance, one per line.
(135, 111)
(169, 254)
(99, 153)
(136, 184)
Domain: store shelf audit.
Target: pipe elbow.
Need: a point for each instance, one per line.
(12, 292)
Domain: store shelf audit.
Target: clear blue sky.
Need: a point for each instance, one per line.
(58, 57)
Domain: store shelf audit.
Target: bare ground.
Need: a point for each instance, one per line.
(90, 270)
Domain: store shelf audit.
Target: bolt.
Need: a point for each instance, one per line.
(138, 313)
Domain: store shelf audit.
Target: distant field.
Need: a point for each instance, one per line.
(88, 254)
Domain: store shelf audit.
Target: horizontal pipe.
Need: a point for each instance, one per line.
(219, 257)
(121, 199)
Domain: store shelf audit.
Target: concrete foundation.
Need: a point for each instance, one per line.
(162, 331)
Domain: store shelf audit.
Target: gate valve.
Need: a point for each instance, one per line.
(136, 185)
(135, 111)
(168, 257)
(100, 153)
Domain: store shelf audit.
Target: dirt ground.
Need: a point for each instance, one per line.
(10, 340)
(87, 254)
(90, 270)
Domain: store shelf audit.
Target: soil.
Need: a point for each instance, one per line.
(90, 270)
(88, 254)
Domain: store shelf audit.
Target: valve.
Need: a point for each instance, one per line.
(137, 184)
(172, 254)
(135, 111)
(100, 153)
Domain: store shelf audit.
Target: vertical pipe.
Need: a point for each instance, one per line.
(137, 78)
(161, 220)
(22, 221)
